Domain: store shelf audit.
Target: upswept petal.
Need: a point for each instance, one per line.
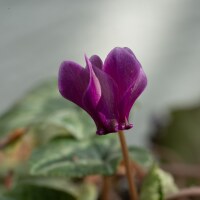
(100, 99)
(92, 94)
(107, 107)
(73, 81)
(96, 61)
(132, 94)
(129, 50)
(122, 65)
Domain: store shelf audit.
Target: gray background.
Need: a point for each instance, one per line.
(36, 36)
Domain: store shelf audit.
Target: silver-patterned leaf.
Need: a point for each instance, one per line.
(45, 112)
(72, 158)
(157, 185)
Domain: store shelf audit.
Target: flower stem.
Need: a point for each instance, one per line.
(132, 188)
(105, 188)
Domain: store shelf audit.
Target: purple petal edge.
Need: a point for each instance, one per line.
(123, 67)
(92, 94)
(96, 61)
(72, 81)
(132, 93)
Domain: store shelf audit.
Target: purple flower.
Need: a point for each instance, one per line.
(106, 91)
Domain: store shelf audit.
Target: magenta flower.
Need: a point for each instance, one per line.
(106, 91)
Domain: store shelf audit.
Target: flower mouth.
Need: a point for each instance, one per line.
(116, 128)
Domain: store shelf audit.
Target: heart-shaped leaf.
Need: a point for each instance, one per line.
(71, 158)
(76, 158)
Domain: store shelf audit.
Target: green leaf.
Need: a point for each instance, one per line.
(141, 156)
(71, 158)
(34, 192)
(151, 188)
(45, 112)
(45, 115)
(157, 185)
(51, 188)
(88, 192)
(167, 182)
(6, 198)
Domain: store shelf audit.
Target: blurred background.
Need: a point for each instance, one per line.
(36, 36)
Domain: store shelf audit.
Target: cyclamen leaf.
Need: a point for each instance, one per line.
(76, 159)
(141, 156)
(28, 188)
(157, 185)
(44, 110)
(33, 192)
(99, 155)
(6, 198)
(72, 189)
(167, 182)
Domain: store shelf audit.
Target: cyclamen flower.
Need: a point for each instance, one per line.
(106, 91)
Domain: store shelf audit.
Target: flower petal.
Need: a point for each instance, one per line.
(100, 99)
(129, 50)
(132, 94)
(93, 91)
(122, 65)
(73, 81)
(96, 61)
